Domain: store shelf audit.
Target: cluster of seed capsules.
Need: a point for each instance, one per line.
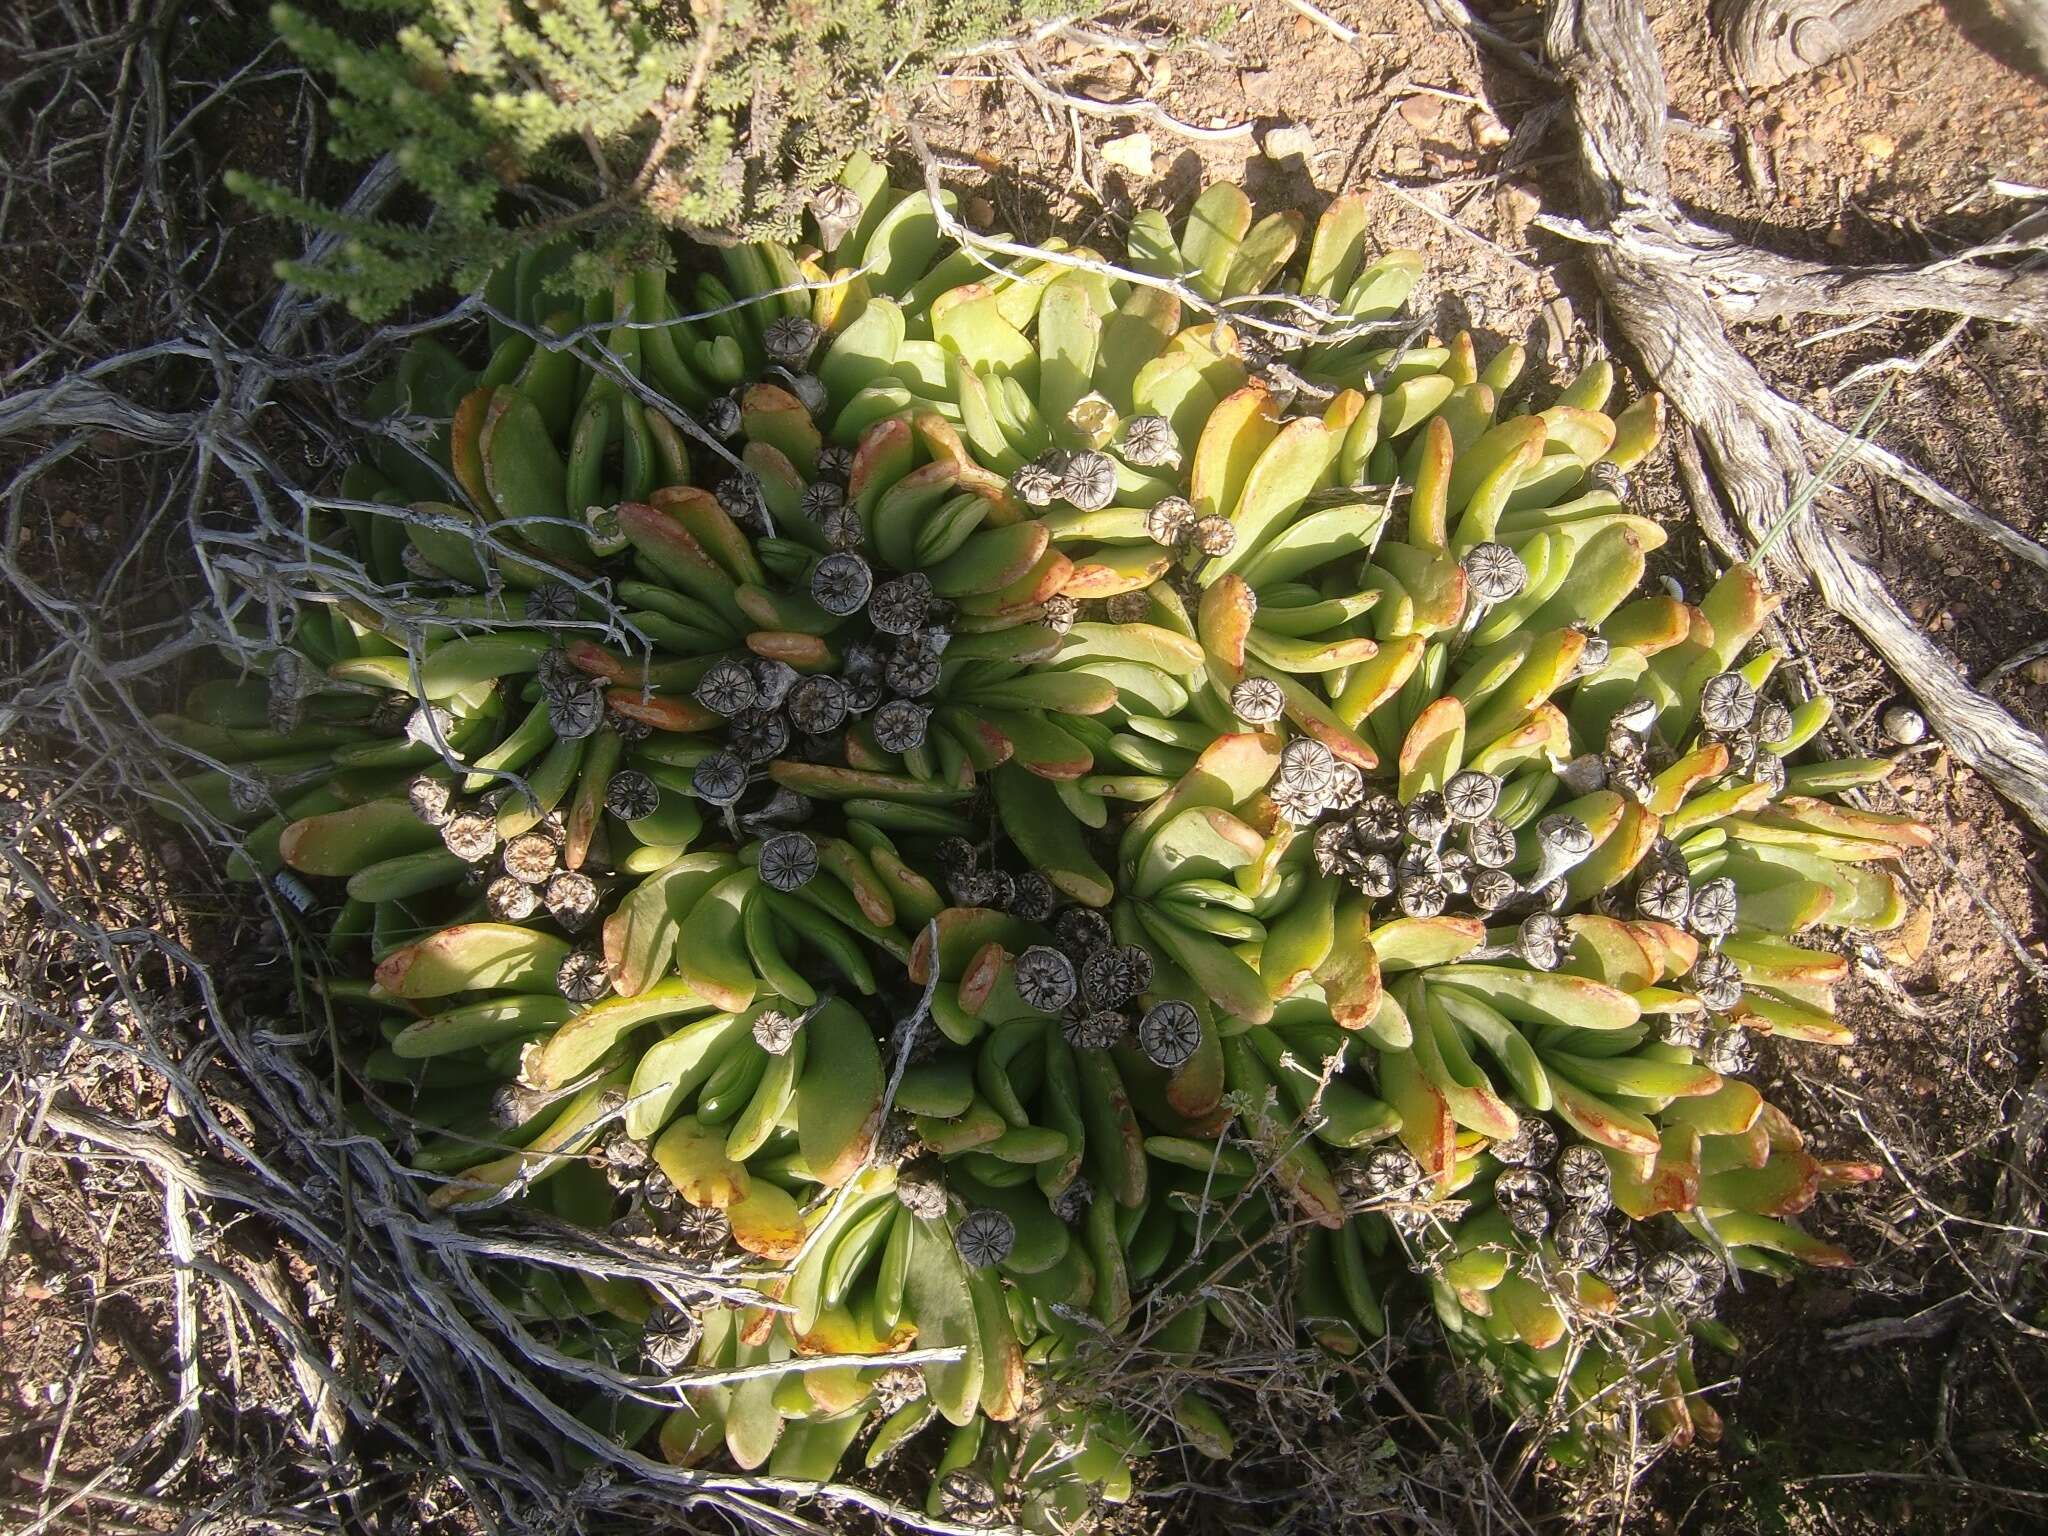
(1067, 794)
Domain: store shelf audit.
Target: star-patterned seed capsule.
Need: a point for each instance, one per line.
(1170, 1033)
(1455, 868)
(842, 528)
(1713, 908)
(985, 1237)
(1307, 767)
(1774, 723)
(1716, 981)
(669, 1338)
(790, 340)
(1471, 795)
(1710, 1274)
(955, 855)
(840, 584)
(1542, 940)
(1296, 808)
(571, 898)
(1419, 861)
(720, 778)
(432, 800)
(1585, 1178)
(727, 688)
(740, 497)
(1378, 822)
(1494, 573)
(1665, 895)
(1728, 1052)
(583, 977)
(470, 835)
(966, 1498)
(1528, 1199)
(532, 857)
(1686, 1030)
(758, 736)
(1089, 481)
(1492, 889)
(897, 1388)
(1491, 843)
(1127, 607)
(899, 725)
(552, 602)
(1112, 976)
(1594, 654)
(1081, 931)
(1769, 770)
(575, 715)
(772, 681)
(631, 795)
(1581, 1239)
(1623, 1260)
(818, 705)
(999, 888)
(1374, 875)
(1037, 483)
(1035, 897)
(912, 672)
(1170, 521)
(836, 209)
(921, 1188)
(1149, 442)
(1534, 1145)
(1426, 818)
(775, 1031)
(1214, 536)
(1257, 701)
(1044, 978)
(820, 498)
(722, 417)
(1670, 1281)
(1392, 1171)
(898, 605)
(1727, 702)
(1058, 613)
(789, 861)
(1347, 790)
(510, 900)
(1334, 847)
(835, 462)
(1423, 897)
(1093, 1030)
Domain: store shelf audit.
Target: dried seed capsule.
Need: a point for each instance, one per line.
(1491, 843)
(432, 800)
(912, 673)
(1308, 767)
(835, 462)
(1071, 1204)
(1494, 573)
(1427, 818)
(1392, 1171)
(921, 1188)
(532, 857)
(631, 795)
(818, 705)
(1149, 442)
(1493, 889)
(1534, 1145)
(1688, 1030)
(1727, 702)
(1670, 1281)
(722, 417)
(775, 1031)
(552, 602)
(1664, 894)
(898, 605)
(1081, 930)
(1113, 976)
(470, 835)
(1622, 1261)
(972, 888)
(575, 715)
(840, 583)
(1378, 822)
(727, 688)
(1769, 770)
(428, 725)
(956, 855)
(1716, 981)
(1471, 795)
(1215, 536)
(1089, 481)
(1585, 1178)
(1059, 612)
(1035, 897)
(583, 977)
(897, 1388)
(1774, 724)
(1581, 1239)
(820, 498)
(1710, 1274)
(1037, 484)
(1170, 1033)
(1335, 848)
(629, 731)
(1098, 1030)
(1631, 777)
(1713, 908)
(790, 340)
(510, 900)
(1528, 1199)
(1257, 701)
(1295, 807)
(759, 736)
(985, 1237)
(1455, 868)
(899, 725)
(998, 887)
(1044, 978)
(966, 1498)
(772, 681)
(1419, 861)
(720, 778)
(1609, 477)
(1594, 654)
(1374, 875)
(1728, 1052)
(669, 1338)
(1422, 896)
(572, 899)
(789, 861)
(843, 529)
(1542, 940)
(1170, 521)
(1127, 607)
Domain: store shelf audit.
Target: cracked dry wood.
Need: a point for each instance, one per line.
(1770, 41)
(1604, 52)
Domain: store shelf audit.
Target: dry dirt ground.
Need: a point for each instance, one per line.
(1906, 1396)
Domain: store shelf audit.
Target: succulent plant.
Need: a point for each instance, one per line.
(1066, 746)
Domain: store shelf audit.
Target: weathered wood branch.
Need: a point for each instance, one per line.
(1770, 41)
(1608, 60)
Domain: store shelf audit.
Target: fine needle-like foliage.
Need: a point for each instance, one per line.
(972, 792)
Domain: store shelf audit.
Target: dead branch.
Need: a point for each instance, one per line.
(1605, 53)
(1770, 41)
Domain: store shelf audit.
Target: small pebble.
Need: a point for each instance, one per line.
(1903, 726)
